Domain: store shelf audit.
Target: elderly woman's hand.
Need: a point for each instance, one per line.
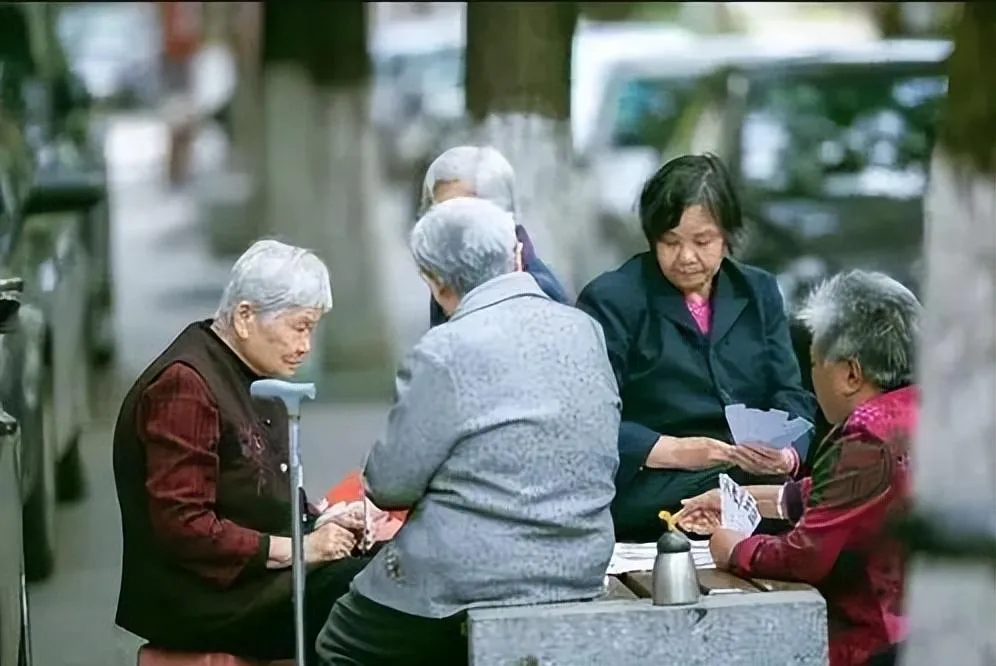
(700, 514)
(762, 460)
(328, 542)
(689, 453)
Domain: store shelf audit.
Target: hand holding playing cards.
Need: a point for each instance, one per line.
(762, 460)
(327, 543)
(721, 546)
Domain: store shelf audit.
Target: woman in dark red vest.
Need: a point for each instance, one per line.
(202, 476)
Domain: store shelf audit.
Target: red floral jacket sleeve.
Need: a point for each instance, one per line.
(179, 429)
(843, 502)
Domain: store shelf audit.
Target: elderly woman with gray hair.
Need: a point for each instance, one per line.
(483, 172)
(864, 328)
(502, 442)
(201, 470)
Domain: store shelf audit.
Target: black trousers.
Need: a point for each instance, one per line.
(635, 508)
(360, 632)
(269, 633)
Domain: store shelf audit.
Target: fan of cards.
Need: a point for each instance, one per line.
(770, 427)
(738, 507)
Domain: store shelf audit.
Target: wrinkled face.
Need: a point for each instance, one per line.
(275, 345)
(690, 254)
(838, 385)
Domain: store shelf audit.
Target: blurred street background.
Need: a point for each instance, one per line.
(143, 146)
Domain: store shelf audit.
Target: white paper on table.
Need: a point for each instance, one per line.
(628, 557)
(738, 509)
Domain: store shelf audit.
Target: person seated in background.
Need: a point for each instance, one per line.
(201, 470)
(483, 172)
(690, 330)
(501, 441)
(864, 328)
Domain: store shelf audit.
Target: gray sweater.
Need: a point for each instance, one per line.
(502, 441)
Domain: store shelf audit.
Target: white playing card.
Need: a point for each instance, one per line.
(735, 418)
(738, 508)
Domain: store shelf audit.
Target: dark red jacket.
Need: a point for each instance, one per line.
(840, 545)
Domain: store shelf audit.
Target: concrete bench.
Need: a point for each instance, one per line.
(737, 622)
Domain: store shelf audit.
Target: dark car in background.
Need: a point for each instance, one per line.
(52, 198)
(15, 634)
(831, 154)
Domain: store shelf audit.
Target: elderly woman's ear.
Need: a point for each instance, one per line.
(519, 263)
(242, 318)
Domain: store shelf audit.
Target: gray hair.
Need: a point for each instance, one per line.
(481, 168)
(275, 277)
(464, 242)
(867, 317)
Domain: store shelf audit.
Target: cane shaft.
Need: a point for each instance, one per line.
(297, 541)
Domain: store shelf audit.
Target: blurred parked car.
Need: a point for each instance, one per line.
(15, 634)
(418, 82)
(831, 153)
(599, 49)
(642, 105)
(49, 197)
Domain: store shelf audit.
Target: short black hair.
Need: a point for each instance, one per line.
(687, 181)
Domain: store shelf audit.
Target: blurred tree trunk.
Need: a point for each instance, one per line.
(518, 83)
(322, 178)
(888, 17)
(913, 19)
(952, 606)
(232, 197)
(244, 30)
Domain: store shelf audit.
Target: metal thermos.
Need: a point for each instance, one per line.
(675, 582)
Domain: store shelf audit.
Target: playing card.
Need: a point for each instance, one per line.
(738, 508)
(735, 419)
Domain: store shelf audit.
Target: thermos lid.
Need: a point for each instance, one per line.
(672, 541)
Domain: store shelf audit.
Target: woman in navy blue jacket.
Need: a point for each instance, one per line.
(689, 330)
(483, 172)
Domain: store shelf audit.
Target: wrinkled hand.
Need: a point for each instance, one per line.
(721, 546)
(700, 514)
(328, 542)
(762, 460)
(350, 516)
(698, 521)
(698, 453)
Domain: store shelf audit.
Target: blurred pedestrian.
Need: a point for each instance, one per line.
(181, 30)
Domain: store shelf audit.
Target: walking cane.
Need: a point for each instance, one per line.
(292, 393)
